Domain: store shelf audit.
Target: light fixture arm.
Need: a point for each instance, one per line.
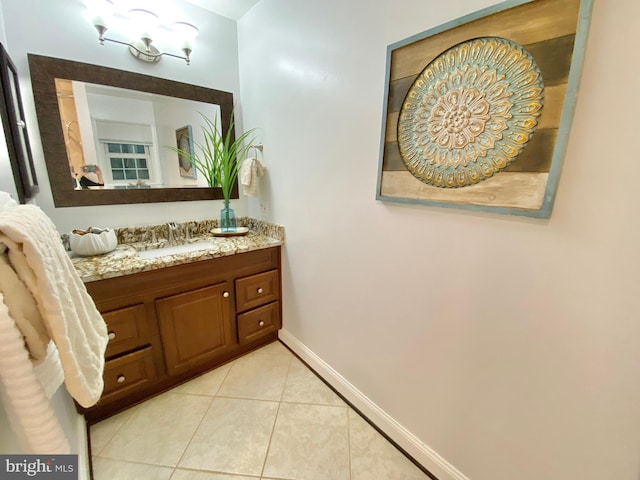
(150, 52)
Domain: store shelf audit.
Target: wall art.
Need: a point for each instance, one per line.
(184, 141)
(477, 111)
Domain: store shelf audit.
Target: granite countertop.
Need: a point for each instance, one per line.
(124, 260)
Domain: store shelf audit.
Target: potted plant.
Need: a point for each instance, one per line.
(218, 160)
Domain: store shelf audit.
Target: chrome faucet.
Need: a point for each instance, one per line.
(172, 227)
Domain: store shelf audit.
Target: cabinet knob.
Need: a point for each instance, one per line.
(225, 294)
(260, 290)
(112, 335)
(121, 379)
(261, 323)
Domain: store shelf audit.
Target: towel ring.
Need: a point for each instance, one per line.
(258, 147)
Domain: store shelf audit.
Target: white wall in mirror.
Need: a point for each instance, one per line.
(60, 30)
(110, 116)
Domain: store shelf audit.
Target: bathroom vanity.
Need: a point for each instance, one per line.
(171, 317)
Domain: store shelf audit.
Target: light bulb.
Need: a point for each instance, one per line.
(100, 12)
(186, 33)
(145, 22)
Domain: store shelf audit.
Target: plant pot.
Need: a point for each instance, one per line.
(227, 219)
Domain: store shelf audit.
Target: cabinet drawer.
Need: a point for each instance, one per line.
(128, 373)
(258, 322)
(257, 290)
(127, 329)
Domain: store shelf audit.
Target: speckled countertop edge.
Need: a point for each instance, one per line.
(124, 260)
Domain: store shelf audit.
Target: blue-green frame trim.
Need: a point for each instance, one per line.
(568, 109)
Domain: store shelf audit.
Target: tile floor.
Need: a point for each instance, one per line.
(262, 416)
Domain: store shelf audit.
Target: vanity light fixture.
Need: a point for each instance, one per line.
(146, 25)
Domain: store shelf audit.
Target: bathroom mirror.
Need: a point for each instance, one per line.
(83, 80)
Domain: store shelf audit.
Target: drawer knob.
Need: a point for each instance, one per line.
(261, 323)
(260, 290)
(121, 379)
(225, 294)
(112, 335)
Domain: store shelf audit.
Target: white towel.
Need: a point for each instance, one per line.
(250, 170)
(49, 372)
(22, 308)
(25, 401)
(70, 316)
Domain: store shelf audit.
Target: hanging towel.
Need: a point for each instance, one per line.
(24, 312)
(250, 170)
(49, 372)
(25, 399)
(22, 308)
(69, 314)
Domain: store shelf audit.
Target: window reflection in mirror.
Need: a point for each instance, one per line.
(116, 138)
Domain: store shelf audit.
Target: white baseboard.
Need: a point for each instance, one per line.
(422, 453)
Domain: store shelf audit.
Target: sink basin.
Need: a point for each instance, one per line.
(164, 251)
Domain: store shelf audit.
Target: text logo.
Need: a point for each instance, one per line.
(50, 467)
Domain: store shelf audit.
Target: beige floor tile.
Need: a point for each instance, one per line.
(309, 442)
(206, 384)
(374, 458)
(258, 376)
(275, 348)
(108, 469)
(159, 430)
(233, 437)
(303, 386)
(104, 431)
(228, 425)
(181, 474)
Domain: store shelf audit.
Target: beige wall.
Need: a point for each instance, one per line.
(509, 346)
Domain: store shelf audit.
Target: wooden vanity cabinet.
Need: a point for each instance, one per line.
(168, 325)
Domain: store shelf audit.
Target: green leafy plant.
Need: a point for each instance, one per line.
(218, 157)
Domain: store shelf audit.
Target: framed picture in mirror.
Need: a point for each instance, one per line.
(184, 141)
(15, 130)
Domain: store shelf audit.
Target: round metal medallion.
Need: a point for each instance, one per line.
(470, 112)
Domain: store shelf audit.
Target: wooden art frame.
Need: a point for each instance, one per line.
(477, 112)
(184, 141)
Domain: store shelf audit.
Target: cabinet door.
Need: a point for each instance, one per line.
(195, 326)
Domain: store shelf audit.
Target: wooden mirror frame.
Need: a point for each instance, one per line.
(44, 71)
